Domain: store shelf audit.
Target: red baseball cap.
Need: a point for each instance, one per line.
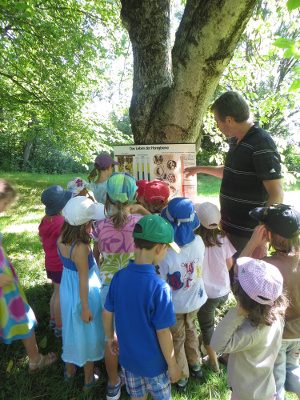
(157, 191)
(141, 184)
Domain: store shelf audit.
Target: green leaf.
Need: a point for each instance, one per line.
(43, 342)
(293, 4)
(20, 6)
(295, 85)
(284, 43)
(288, 53)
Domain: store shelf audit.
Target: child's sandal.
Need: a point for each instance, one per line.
(213, 368)
(96, 376)
(45, 361)
(67, 377)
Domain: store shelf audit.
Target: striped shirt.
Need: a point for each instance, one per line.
(248, 163)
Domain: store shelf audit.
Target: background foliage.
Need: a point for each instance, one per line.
(66, 76)
(260, 72)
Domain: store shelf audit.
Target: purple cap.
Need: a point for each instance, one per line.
(104, 161)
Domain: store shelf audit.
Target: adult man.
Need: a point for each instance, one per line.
(251, 176)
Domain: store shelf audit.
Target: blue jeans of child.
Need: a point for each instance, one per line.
(286, 369)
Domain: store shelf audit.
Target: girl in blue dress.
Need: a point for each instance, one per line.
(81, 308)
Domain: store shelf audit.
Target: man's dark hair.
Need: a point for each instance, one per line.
(231, 104)
(144, 244)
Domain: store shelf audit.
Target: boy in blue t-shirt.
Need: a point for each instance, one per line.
(142, 305)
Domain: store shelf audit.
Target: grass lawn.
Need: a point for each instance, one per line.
(19, 227)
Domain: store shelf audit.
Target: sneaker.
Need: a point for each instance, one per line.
(195, 370)
(181, 385)
(58, 332)
(114, 392)
(52, 324)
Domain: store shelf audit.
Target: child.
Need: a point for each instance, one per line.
(79, 187)
(54, 198)
(217, 262)
(117, 248)
(104, 165)
(17, 320)
(251, 332)
(183, 272)
(156, 196)
(141, 303)
(81, 307)
(281, 224)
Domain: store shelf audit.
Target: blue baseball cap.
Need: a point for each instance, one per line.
(181, 214)
(121, 187)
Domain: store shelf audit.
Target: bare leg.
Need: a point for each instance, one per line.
(70, 370)
(211, 354)
(88, 372)
(139, 398)
(111, 362)
(31, 348)
(56, 305)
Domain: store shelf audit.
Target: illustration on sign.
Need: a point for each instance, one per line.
(164, 162)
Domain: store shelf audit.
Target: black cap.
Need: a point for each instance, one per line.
(282, 219)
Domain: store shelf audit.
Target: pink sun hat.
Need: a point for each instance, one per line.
(261, 281)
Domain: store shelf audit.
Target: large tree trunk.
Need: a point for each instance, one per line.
(172, 90)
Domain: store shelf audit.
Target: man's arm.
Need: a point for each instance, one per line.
(215, 171)
(275, 191)
(166, 344)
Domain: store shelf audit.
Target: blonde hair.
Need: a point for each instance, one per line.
(210, 237)
(283, 245)
(119, 219)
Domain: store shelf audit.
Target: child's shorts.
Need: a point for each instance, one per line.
(55, 276)
(159, 387)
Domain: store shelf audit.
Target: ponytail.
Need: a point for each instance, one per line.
(119, 218)
(92, 175)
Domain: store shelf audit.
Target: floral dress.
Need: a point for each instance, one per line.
(17, 320)
(116, 245)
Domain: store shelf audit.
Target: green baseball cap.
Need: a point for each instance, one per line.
(155, 229)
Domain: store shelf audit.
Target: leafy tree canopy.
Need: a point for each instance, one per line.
(260, 72)
(53, 57)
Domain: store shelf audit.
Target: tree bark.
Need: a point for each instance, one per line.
(172, 89)
(26, 153)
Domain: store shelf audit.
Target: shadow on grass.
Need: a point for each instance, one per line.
(21, 242)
